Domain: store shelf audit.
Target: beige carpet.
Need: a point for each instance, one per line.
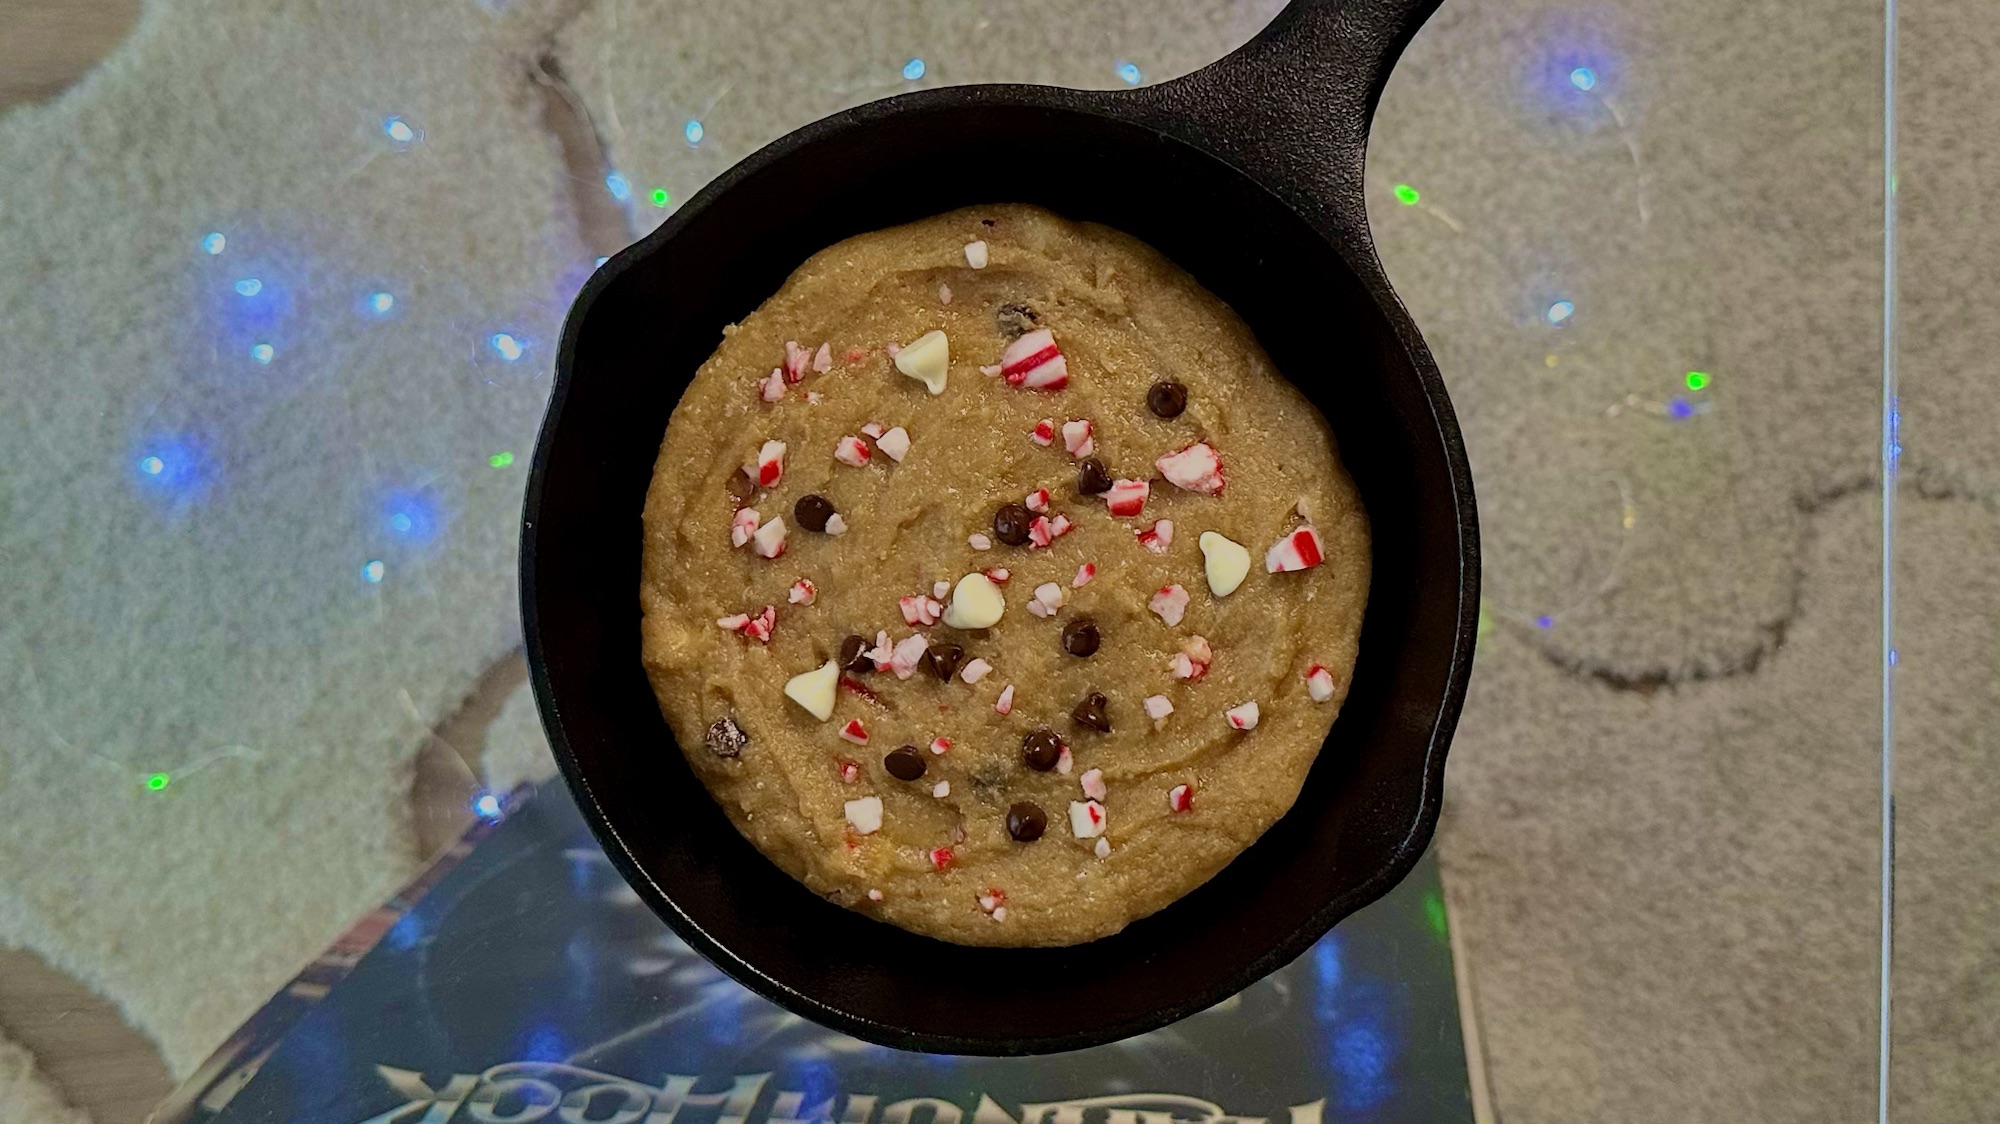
(1660, 830)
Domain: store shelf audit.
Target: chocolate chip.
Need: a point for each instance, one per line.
(725, 738)
(1041, 749)
(1079, 637)
(741, 487)
(1091, 478)
(1015, 319)
(904, 763)
(1010, 524)
(1026, 822)
(1090, 712)
(942, 660)
(812, 512)
(1167, 398)
(851, 658)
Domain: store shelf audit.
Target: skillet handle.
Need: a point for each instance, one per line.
(1293, 106)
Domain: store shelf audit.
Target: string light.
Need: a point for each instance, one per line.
(619, 187)
(249, 287)
(158, 782)
(1679, 408)
(487, 805)
(372, 571)
(1583, 78)
(1697, 380)
(1406, 195)
(1560, 311)
(509, 348)
(692, 131)
(1128, 73)
(600, 262)
(1545, 622)
(213, 243)
(660, 197)
(263, 352)
(152, 466)
(381, 303)
(914, 69)
(500, 460)
(398, 130)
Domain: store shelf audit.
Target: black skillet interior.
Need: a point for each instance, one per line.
(1290, 254)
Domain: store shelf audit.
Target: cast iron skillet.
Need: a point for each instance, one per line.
(1248, 174)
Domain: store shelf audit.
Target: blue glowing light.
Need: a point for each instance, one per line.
(263, 352)
(249, 287)
(599, 263)
(152, 466)
(487, 805)
(1560, 311)
(693, 132)
(1362, 1056)
(213, 242)
(381, 303)
(506, 345)
(398, 130)
(619, 187)
(1326, 962)
(1892, 657)
(372, 571)
(1583, 78)
(400, 523)
(914, 69)
(405, 933)
(413, 515)
(1679, 408)
(170, 467)
(1545, 622)
(1128, 73)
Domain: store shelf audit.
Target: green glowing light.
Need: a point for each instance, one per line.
(500, 460)
(1697, 380)
(660, 197)
(158, 781)
(1407, 195)
(1434, 913)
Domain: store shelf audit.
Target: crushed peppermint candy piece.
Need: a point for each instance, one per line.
(771, 387)
(944, 293)
(892, 349)
(855, 354)
(1093, 783)
(941, 589)
(1170, 603)
(1242, 717)
(835, 525)
(1076, 438)
(993, 898)
(823, 358)
(769, 541)
(977, 541)
(1048, 598)
(975, 671)
(849, 770)
(743, 526)
(1157, 706)
(1005, 703)
(1103, 848)
(865, 814)
(804, 592)
(1319, 683)
(895, 444)
(941, 857)
(920, 610)
(1192, 661)
(770, 464)
(975, 254)
(1084, 573)
(1180, 797)
(853, 732)
(1065, 761)
(882, 651)
(1042, 530)
(940, 746)
(759, 627)
(1127, 497)
(851, 450)
(874, 895)
(998, 574)
(872, 431)
(990, 372)
(908, 652)
(734, 622)
(1037, 501)
(1086, 819)
(1158, 537)
(1034, 362)
(1300, 550)
(796, 359)
(1300, 507)
(1196, 468)
(813, 398)
(1044, 433)
(941, 789)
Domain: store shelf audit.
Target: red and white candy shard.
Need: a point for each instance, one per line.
(940, 746)
(1042, 530)
(1127, 497)
(1005, 703)
(1170, 603)
(975, 254)
(1241, 717)
(1180, 797)
(1084, 573)
(1064, 760)
(882, 652)
(1076, 438)
(895, 444)
(941, 789)
(974, 671)
(1093, 783)
(874, 895)
(1196, 468)
(804, 592)
(977, 541)
(872, 431)
(941, 589)
(734, 622)
(850, 771)
(908, 651)
(941, 858)
(1300, 550)
(1034, 362)
(851, 450)
(770, 464)
(992, 372)
(1086, 819)
(855, 354)
(864, 815)
(853, 732)
(998, 575)
(823, 358)
(944, 293)
(769, 541)
(772, 386)
(992, 899)
(1044, 433)
(743, 526)
(1192, 661)
(920, 610)
(1158, 537)
(835, 525)
(796, 360)
(1048, 598)
(1103, 849)
(759, 627)
(812, 397)
(1157, 707)
(1319, 683)
(1037, 501)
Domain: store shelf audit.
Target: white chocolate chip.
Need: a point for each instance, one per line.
(975, 603)
(865, 814)
(926, 359)
(1086, 819)
(815, 689)
(894, 444)
(1226, 562)
(975, 254)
